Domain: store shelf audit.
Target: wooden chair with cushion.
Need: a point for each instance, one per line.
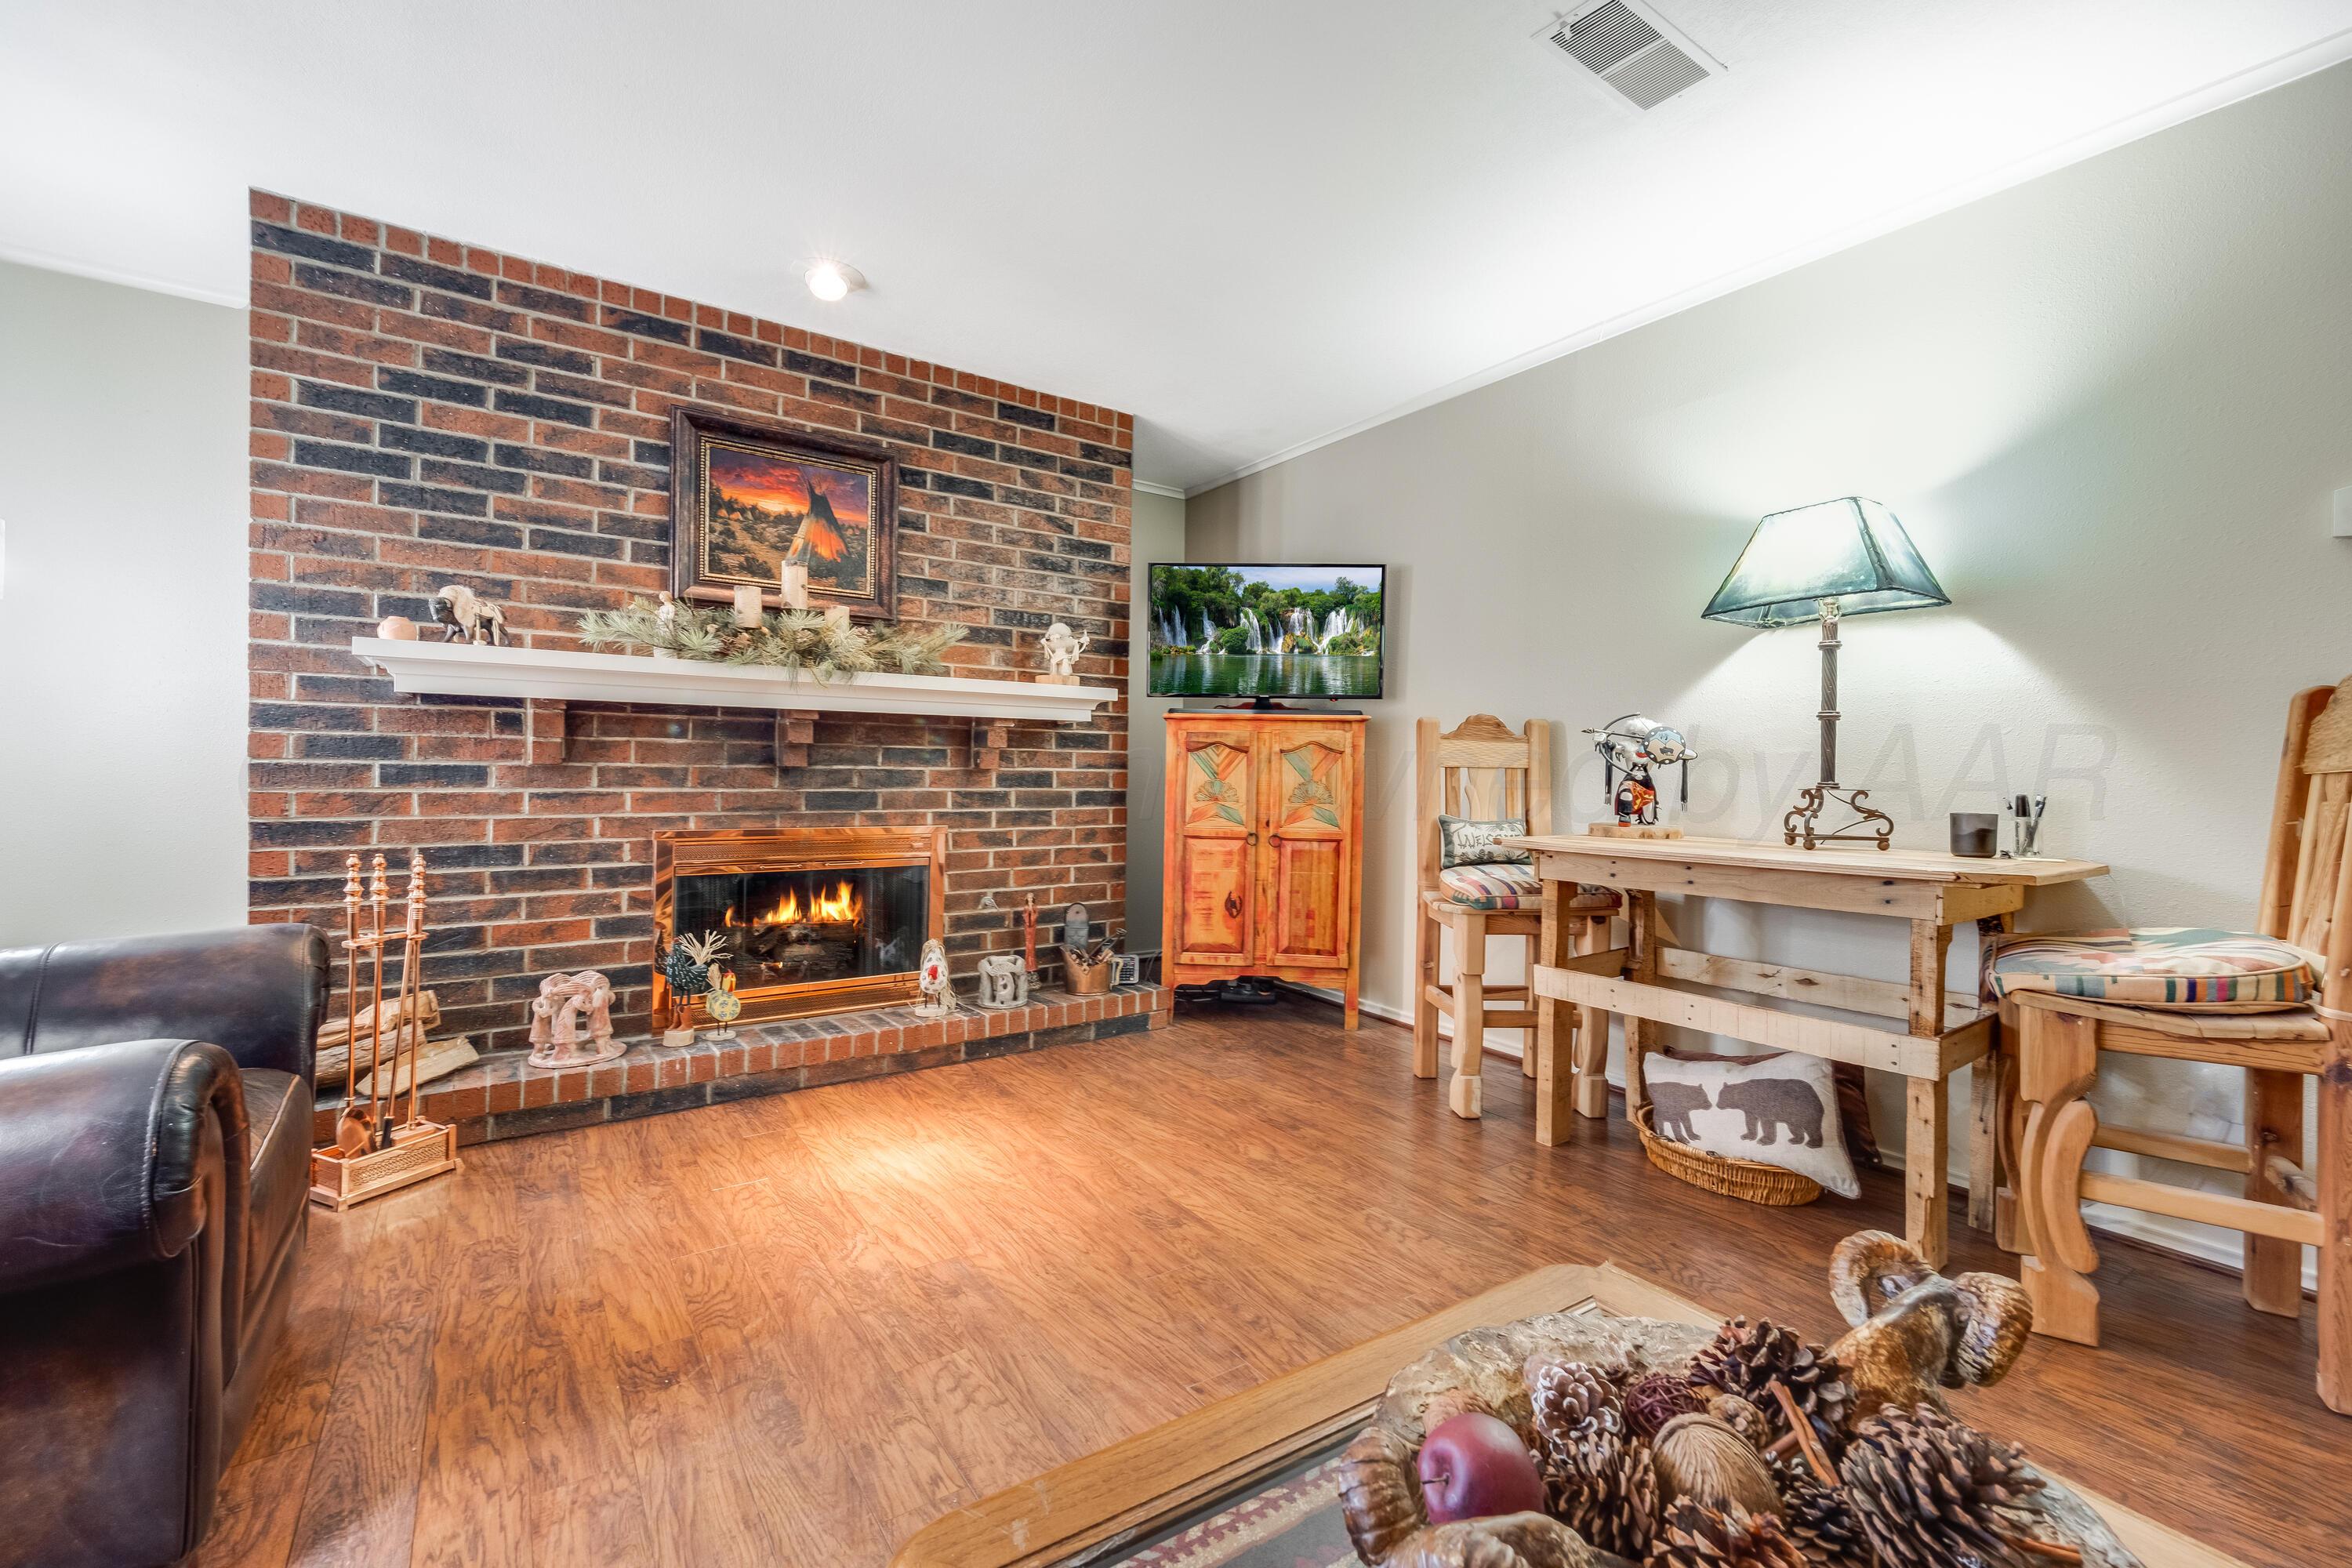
(2263, 1002)
(1481, 772)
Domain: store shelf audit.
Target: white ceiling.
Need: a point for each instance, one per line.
(1253, 223)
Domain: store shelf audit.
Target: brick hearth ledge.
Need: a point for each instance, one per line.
(500, 1096)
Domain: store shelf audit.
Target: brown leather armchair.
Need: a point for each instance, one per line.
(154, 1143)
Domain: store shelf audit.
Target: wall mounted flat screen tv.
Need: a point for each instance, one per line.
(1265, 631)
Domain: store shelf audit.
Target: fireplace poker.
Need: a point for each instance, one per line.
(379, 893)
(353, 1126)
(412, 981)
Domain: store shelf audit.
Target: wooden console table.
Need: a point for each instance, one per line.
(1650, 983)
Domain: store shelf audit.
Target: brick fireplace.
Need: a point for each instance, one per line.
(426, 411)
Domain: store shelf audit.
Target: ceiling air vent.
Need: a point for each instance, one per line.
(1633, 53)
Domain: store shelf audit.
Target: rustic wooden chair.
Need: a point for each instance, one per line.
(2307, 900)
(1482, 770)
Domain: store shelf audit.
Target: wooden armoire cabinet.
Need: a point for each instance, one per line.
(1265, 848)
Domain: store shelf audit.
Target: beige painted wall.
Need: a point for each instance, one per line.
(122, 618)
(1158, 523)
(2110, 405)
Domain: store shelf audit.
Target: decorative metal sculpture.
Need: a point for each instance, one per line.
(687, 966)
(1632, 745)
(722, 1006)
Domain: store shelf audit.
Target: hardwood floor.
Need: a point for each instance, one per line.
(790, 1331)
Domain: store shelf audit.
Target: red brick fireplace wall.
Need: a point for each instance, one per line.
(428, 412)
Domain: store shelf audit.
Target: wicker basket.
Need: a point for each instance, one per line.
(1749, 1179)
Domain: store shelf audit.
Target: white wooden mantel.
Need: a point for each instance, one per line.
(550, 679)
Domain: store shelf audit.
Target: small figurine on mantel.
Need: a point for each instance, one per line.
(1061, 647)
(1632, 745)
(470, 617)
(667, 615)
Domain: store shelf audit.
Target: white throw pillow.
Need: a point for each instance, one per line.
(1779, 1111)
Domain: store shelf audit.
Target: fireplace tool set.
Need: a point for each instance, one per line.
(372, 1155)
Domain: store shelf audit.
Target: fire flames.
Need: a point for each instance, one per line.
(836, 906)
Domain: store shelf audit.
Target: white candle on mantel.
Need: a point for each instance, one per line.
(747, 603)
(792, 583)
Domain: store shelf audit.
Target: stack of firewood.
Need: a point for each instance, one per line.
(436, 1058)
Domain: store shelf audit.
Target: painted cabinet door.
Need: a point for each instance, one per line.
(1212, 801)
(1307, 802)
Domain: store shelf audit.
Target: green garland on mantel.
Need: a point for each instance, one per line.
(792, 640)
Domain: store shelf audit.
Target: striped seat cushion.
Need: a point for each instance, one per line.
(1509, 886)
(2184, 968)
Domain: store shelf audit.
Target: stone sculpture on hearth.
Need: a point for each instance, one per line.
(1003, 981)
(572, 1021)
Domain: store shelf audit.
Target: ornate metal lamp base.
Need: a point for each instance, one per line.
(1798, 825)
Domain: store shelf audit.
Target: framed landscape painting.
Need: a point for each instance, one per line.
(745, 496)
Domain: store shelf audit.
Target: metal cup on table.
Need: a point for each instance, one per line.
(1976, 834)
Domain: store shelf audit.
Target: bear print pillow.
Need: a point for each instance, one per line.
(1781, 1111)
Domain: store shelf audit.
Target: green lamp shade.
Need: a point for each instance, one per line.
(1851, 550)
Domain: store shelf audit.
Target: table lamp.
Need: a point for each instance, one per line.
(1824, 563)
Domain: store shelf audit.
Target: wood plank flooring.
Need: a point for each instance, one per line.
(790, 1331)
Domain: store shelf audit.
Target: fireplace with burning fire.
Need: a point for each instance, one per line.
(818, 919)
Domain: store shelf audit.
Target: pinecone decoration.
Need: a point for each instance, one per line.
(1747, 1360)
(1820, 1521)
(1697, 1536)
(1742, 1416)
(1655, 1398)
(1571, 1400)
(1601, 1485)
(1929, 1491)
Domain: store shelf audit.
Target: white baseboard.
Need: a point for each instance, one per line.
(2216, 1249)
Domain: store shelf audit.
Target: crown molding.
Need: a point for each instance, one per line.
(2333, 49)
(50, 262)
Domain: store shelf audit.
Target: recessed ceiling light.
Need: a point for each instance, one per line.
(831, 281)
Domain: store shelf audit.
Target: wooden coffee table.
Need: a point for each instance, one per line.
(1182, 1493)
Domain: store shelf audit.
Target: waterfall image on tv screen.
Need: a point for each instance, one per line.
(1265, 631)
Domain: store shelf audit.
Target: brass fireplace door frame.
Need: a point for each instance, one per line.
(703, 852)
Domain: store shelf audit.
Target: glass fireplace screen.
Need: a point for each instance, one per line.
(805, 927)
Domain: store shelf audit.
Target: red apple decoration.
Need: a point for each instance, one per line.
(1474, 1466)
